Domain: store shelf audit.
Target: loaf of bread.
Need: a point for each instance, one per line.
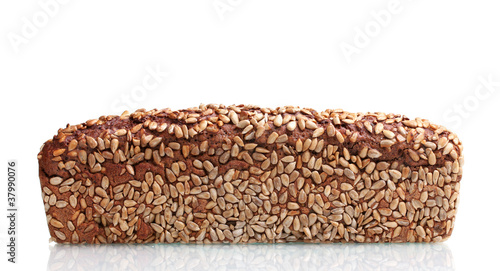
(244, 174)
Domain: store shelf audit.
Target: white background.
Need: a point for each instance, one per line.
(82, 59)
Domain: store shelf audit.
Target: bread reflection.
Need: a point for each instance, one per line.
(252, 257)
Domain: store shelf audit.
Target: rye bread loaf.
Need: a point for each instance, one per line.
(245, 174)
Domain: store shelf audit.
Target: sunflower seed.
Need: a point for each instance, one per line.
(388, 134)
(272, 138)
(56, 180)
(432, 158)
(292, 206)
(192, 226)
(420, 231)
(121, 132)
(58, 152)
(373, 153)
(56, 223)
(346, 186)
(278, 121)
(60, 235)
(311, 125)
(318, 132)
(291, 126)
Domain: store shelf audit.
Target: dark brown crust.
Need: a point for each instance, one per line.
(417, 137)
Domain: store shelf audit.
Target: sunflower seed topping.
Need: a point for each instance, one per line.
(245, 174)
